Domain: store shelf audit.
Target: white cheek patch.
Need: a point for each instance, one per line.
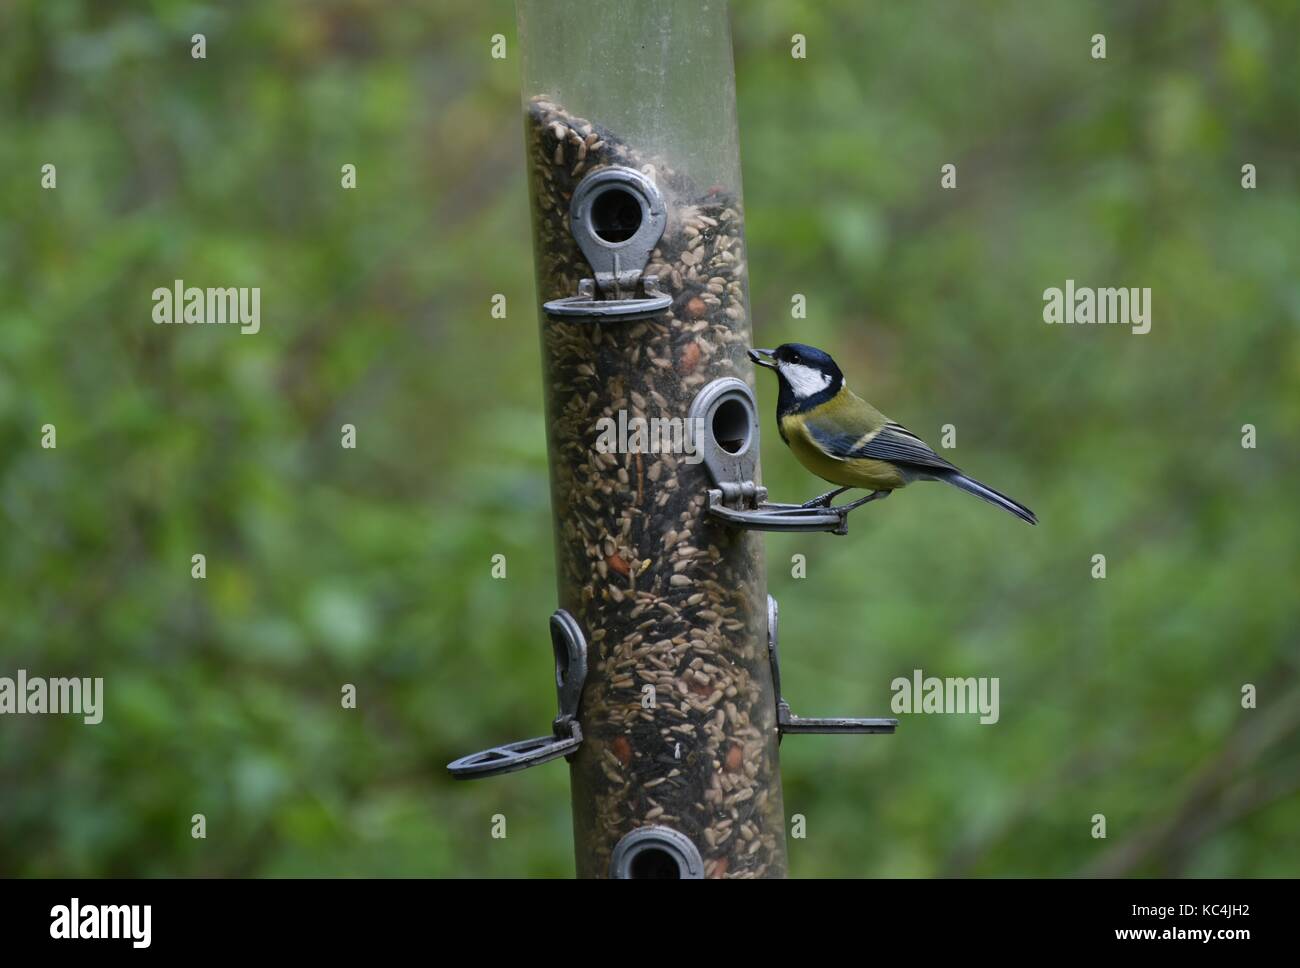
(805, 381)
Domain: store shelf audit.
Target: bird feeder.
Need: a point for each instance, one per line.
(665, 639)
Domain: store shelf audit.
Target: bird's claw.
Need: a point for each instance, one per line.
(824, 500)
(873, 496)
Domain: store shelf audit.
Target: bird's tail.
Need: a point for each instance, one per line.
(972, 486)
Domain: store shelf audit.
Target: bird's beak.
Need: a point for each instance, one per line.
(763, 358)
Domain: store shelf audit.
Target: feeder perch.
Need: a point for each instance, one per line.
(570, 674)
(788, 722)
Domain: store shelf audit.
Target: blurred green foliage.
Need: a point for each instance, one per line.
(1118, 696)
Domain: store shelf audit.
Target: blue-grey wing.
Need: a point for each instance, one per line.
(893, 443)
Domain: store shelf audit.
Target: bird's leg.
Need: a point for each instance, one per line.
(824, 500)
(873, 496)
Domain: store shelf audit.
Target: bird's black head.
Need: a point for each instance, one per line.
(808, 377)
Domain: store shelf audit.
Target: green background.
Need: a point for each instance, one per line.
(372, 566)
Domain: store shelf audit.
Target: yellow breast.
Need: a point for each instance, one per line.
(876, 475)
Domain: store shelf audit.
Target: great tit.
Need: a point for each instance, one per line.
(845, 440)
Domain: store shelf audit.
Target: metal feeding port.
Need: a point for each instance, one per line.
(788, 722)
(656, 852)
(730, 450)
(617, 217)
(570, 647)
